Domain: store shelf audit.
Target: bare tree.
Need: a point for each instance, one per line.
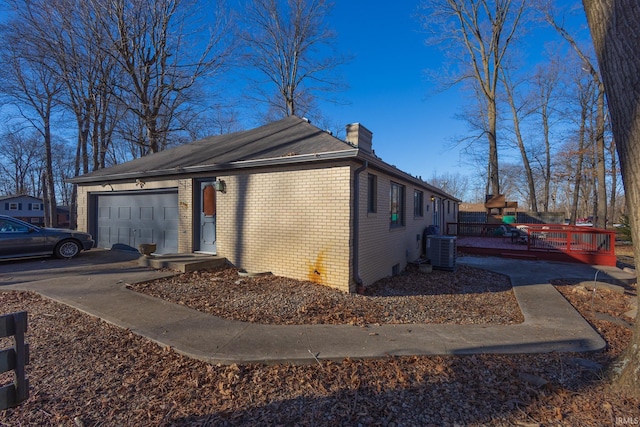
(589, 65)
(546, 83)
(290, 44)
(613, 194)
(156, 45)
(19, 156)
(519, 110)
(482, 31)
(615, 31)
(34, 88)
(585, 92)
(64, 164)
(453, 183)
(69, 33)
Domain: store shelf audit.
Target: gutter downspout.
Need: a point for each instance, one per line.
(356, 224)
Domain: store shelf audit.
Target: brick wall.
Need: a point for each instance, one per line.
(186, 214)
(83, 218)
(293, 223)
(297, 223)
(382, 246)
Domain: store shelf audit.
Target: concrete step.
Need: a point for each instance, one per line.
(184, 263)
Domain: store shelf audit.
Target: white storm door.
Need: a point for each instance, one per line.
(207, 217)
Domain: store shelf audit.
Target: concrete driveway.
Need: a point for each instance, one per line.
(95, 261)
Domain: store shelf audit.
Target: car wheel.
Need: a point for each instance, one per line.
(67, 249)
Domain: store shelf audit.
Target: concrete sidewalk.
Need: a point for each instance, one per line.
(551, 323)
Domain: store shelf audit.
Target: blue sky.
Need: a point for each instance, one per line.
(389, 92)
(413, 125)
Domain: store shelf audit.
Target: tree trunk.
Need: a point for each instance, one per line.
(533, 201)
(494, 177)
(600, 220)
(547, 152)
(50, 188)
(614, 184)
(578, 170)
(615, 32)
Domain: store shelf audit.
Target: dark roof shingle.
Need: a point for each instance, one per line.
(285, 138)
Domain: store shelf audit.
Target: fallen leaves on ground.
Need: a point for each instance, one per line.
(466, 296)
(86, 372)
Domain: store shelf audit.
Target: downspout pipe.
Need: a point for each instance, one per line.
(356, 224)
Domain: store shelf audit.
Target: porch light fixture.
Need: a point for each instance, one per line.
(433, 198)
(220, 186)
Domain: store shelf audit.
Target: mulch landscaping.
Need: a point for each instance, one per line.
(465, 296)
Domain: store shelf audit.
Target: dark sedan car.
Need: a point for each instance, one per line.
(20, 239)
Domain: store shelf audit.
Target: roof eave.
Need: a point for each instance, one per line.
(350, 154)
(242, 164)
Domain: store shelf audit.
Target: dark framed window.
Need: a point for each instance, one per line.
(418, 203)
(397, 205)
(372, 193)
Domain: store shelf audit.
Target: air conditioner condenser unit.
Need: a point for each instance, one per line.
(441, 251)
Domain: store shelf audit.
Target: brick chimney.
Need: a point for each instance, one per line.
(360, 137)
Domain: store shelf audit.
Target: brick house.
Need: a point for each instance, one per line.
(287, 197)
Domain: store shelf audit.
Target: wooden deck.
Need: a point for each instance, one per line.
(566, 244)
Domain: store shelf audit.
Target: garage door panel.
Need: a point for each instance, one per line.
(146, 213)
(104, 236)
(140, 218)
(170, 213)
(124, 236)
(104, 212)
(124, 213)
(170, 236)
(145, 235)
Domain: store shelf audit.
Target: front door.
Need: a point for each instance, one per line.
(207, 217)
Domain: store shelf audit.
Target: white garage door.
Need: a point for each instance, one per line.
(136, 217)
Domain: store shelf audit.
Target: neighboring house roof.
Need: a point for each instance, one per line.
(21, 196)
(287, 141)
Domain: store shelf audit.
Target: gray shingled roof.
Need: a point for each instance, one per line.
(285, 140)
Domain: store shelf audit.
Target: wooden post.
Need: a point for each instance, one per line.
(15, 359)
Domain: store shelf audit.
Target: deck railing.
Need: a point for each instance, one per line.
(584, 244)
(571, 239)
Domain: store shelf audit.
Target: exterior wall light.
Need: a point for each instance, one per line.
(220, 186)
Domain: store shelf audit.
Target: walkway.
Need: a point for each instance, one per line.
(551, 323)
